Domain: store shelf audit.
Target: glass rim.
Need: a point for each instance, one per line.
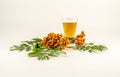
(70, 19)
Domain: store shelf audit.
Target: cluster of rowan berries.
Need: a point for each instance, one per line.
(54, 40)
(80, 39)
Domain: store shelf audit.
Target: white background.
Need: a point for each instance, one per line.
(26, 19)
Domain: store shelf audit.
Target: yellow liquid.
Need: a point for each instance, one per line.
(69, 29)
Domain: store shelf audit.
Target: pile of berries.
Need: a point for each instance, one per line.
(80, 39)
(54, 40)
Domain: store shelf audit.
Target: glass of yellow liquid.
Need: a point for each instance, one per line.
(69, 27)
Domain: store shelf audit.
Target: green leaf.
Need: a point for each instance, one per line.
(28, 42)
(72, 40)
(55, 53)
(36, 40)
(28, 48)
(43, 57)
(90, 47)
(37, 49)
(91, 43)
(14, 47)
(32, 54)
